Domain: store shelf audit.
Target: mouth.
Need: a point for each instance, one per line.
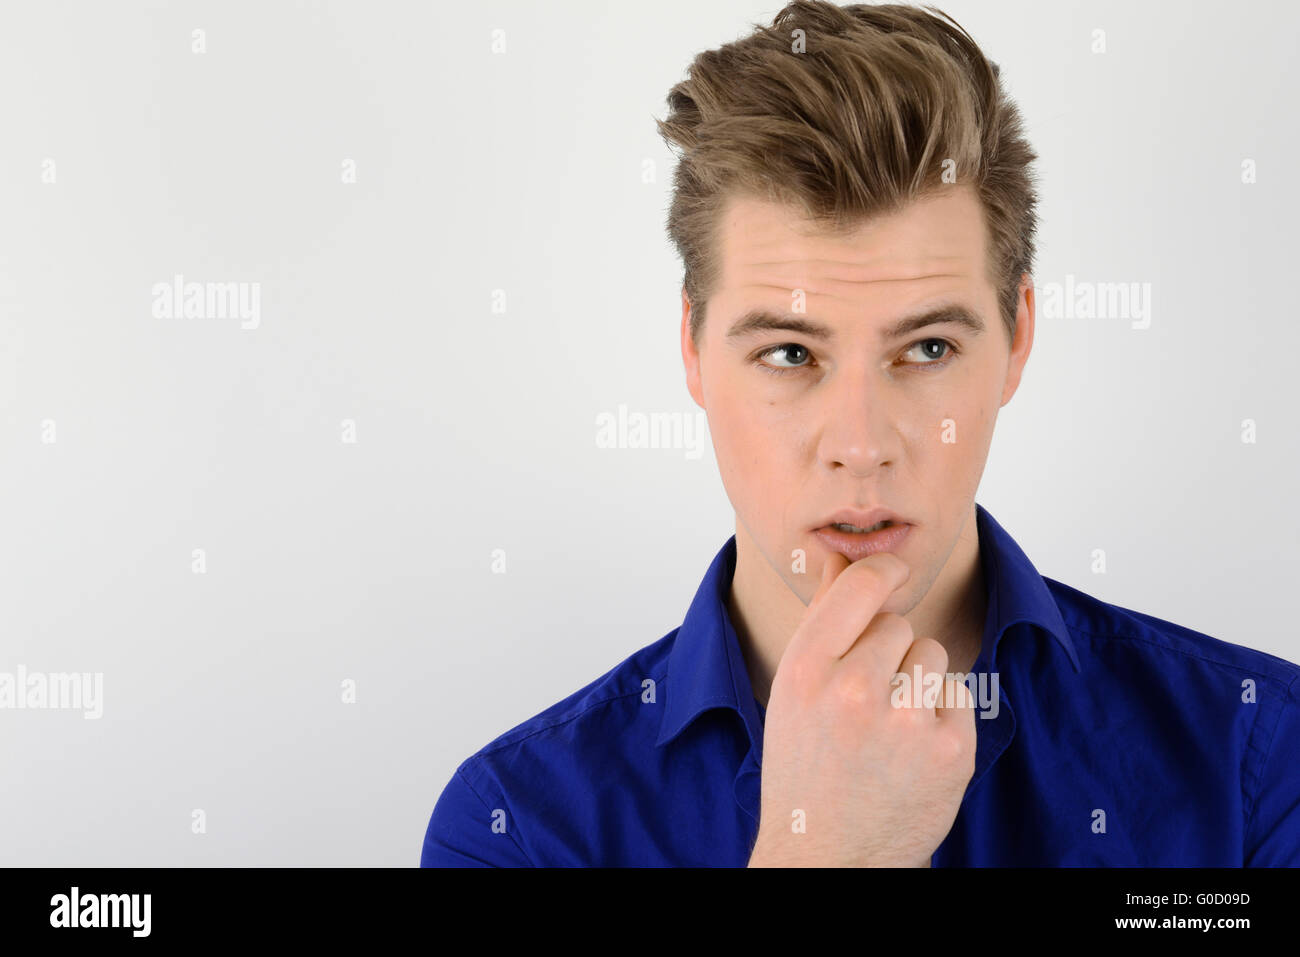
(855, 535)
(846, 527)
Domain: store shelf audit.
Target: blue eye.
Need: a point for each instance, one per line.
(786, 347)
(933, 360)
(798, 357)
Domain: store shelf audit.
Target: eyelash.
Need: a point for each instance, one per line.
(786, 370)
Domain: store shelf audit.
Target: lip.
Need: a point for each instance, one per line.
(858, 545)
(863, 518)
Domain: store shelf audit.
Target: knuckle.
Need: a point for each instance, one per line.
(918, 719)
(797, 674)
(956, 747)
(950, 748)
(854, 686)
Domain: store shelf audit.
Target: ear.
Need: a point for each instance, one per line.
(1023, 340)
(690, 355)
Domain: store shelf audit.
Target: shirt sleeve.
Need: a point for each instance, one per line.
(1273, 830)
(465, 831)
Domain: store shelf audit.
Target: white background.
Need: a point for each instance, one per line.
(523, 171)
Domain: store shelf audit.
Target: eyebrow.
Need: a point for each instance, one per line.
(757, 321)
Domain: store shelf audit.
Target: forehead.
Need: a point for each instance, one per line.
(936, 246)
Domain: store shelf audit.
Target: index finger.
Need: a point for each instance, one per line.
(831, 569)
(845, 604)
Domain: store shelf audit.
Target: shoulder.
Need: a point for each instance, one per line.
(1201, 703)
(1107, 629)
(1231, 705)
(615, 697)
(486, 814)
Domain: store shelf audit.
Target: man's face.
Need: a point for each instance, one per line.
(803, 426)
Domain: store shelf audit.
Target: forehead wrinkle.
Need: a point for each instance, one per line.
(932, 267)
(823, 286)
(933, 258)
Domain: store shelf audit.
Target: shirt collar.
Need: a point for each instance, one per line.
(1016, 591)
(707, 670)
(705, 667)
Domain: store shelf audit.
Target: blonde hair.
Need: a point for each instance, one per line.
(864, 118)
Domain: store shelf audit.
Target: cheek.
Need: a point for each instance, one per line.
(972, 413)
(968, 406)
(757, 438)
(753, 435)
(945, 433)
(969, 425)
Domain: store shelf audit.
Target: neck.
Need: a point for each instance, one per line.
(765, 610)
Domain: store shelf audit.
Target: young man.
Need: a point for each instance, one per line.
(855, 211)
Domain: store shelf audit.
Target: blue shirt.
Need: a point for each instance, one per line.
(1118, 739)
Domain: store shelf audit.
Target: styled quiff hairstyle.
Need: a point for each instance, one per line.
(853, 117)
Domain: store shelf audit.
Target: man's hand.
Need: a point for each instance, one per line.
(873, 785)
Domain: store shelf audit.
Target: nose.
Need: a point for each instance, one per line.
(859, 432)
